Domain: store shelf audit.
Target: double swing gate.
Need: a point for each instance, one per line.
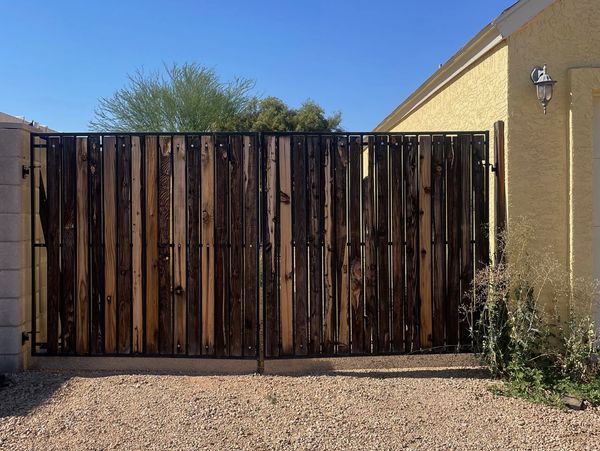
(215, 244)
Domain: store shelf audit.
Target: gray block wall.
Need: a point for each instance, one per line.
(15, 247)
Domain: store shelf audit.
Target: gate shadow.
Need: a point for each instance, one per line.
(23, 392)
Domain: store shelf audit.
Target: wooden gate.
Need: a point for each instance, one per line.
(170, 244)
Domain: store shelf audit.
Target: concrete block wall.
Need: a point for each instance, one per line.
(15, 247)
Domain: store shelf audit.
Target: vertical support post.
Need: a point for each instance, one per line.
(500, 186)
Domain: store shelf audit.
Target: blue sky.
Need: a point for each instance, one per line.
(361, 57)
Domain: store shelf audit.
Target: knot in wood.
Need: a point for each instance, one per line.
(284, 197)
(205, 216)
(179, 290)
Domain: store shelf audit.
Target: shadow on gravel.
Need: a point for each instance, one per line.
(425, 373)
(24, 392)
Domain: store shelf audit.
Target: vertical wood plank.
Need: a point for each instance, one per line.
(109, 150)
(194, 334)
(382, 238)
(425, 254)
(97, 260)
(179, 244)
(300, 232)
(68, 249)
(136, 246)
(222, 276)
(411, 151)
(152, 254)
(251, 272)
(500, 191)
(329, 311)
(315, 184)
(342, 274)
(466, 234)
(82, 300)
(439, 239)
(370, 234)
(53, 177)
(270, 249)
(355, 253)
(286, 257)
(480, 203)
(124, 275)
(396, 192)
(165, 300)
(237, 240)
(207, 176)
(454, 186)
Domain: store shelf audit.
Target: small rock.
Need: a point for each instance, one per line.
(572, 402)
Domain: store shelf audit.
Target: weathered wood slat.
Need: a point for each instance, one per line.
(411, 340)
(454, 201)
(152, 253)
(222, 276)
(300, 233)
(480, 201)
(270, 248)
(194, 305)
(236, 331)
(355, 251)
(370, 238)
(382, 239)
(286, 281)
(329, 310)
(165, 299)
(54, 178)
(315, 239)
(68, 249)
(124, 274)
(500, 191)
(97, 257)
(136, 246)
(396, 192)
(109, 151)
(179, 244)
(207, 176)
(339, 161)
(82, 306)
(466, 236)
(425, 254)
(251, 271)
(439, 238)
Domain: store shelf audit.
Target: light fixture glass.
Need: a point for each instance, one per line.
(544, 85)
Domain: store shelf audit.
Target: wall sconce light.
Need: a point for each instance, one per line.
(544, 85)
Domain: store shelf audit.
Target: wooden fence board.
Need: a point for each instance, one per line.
(453, 165)
(300, 234)
(315, 237)
(194, 305)
(466, 236)
(286, 281)
(109, 151)
(179, 244)
(342, 275)
(207, 176)
(355, 251)
(152, 253)
(53, 198)
(222, 276)
(382, 239)
(270, 249)
(370, 238)
(82, 306)
(68, 249)
(396, 192)
(137, 341)
(251, 271)
(329, 311)
(96, 260)
(165, 299)
(425, 254)
(439, 238)
(124, 274)
(237, 223)
(411, 155)
(480, 211)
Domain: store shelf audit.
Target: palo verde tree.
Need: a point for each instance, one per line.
(191, 97)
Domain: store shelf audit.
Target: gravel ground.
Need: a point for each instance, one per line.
(386, 409)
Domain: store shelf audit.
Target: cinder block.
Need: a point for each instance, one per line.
(11, 255)
(11, 171)
(13, 142)
(10, 339)
(10, 199)
(11, 363)
(11, 310)
(10, 283)
(11, 225)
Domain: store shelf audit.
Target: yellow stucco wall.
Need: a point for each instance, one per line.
(549, 164)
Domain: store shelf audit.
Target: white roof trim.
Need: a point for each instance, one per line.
(493, 34)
